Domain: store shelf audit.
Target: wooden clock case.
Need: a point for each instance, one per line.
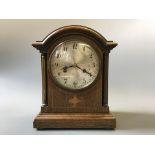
(86, 108)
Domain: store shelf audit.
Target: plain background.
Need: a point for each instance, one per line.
(131, 74)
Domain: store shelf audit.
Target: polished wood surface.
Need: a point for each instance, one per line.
(74, 120)
(43, 45)
(89, 105)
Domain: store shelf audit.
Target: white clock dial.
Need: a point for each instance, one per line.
(74, 64)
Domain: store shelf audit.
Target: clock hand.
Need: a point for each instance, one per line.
(66, 67)
(84, 70)
(78, 67)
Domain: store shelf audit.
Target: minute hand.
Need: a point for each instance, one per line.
(84, 70)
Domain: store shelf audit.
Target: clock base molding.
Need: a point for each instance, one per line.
(74, 120)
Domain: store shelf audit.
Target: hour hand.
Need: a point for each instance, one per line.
(66, 67)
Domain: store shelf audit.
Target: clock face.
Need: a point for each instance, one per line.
(74, 64)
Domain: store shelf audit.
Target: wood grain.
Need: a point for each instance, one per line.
(74, 120)
(86, 108)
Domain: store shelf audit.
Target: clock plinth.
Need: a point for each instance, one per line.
(74, 62)
(74, 120)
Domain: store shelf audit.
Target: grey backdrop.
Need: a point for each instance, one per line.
(131, 74)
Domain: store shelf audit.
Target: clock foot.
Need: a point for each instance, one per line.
(74, 121)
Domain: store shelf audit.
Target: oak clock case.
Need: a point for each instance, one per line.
(74, 79)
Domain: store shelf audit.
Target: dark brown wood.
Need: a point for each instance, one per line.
(105, 79)
(87, 108)
(43, 45)
(74, 120)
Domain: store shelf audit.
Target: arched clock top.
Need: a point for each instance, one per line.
(43, 45)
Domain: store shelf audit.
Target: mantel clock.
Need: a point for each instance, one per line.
(74, 62)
